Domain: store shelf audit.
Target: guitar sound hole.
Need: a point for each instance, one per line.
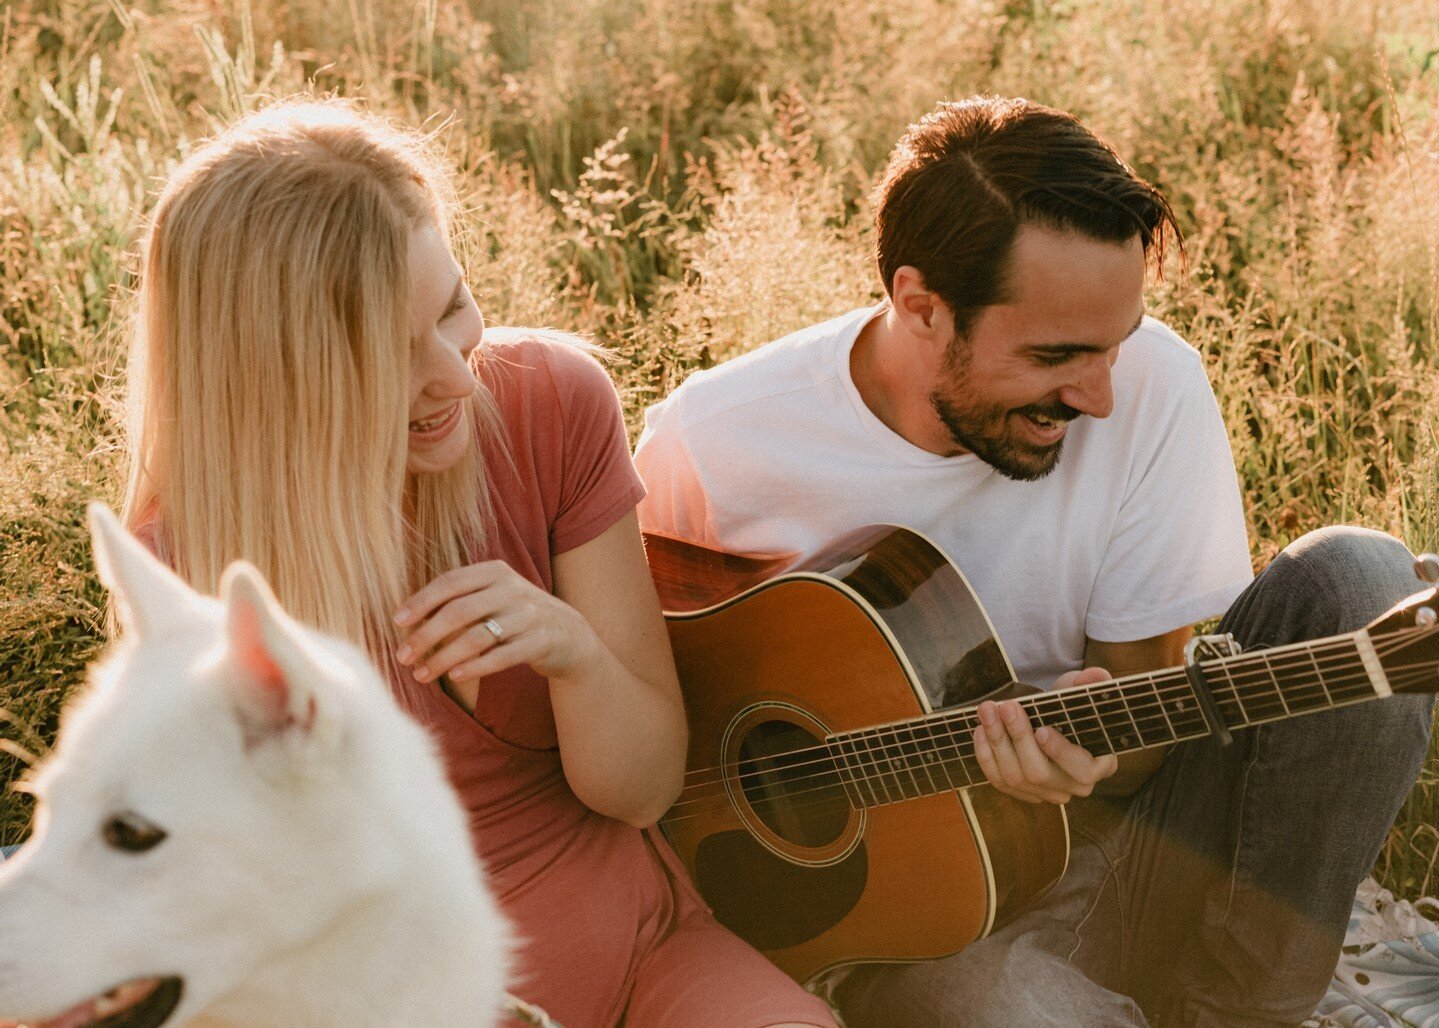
(792, 785)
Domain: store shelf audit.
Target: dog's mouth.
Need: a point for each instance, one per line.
(138, 1003)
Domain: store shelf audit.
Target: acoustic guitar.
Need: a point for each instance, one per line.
(831, 766)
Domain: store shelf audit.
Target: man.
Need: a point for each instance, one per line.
(1011, 401)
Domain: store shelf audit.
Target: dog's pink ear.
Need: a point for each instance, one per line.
(269, 660)
(149, 595)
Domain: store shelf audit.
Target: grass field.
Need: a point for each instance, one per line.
(685, 179)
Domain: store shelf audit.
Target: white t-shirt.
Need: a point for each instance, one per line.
(1137, 531)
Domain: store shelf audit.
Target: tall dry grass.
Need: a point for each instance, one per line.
(685, 179)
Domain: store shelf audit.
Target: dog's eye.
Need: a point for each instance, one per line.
(132, 833)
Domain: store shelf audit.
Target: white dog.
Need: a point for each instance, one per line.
(238, 826)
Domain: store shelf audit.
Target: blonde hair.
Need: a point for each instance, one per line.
(270, 366)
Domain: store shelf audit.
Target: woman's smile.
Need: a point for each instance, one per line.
(433, 429)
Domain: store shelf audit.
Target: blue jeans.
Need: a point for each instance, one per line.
(1219, 893)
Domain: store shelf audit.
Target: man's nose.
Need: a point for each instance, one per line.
(1092, 392)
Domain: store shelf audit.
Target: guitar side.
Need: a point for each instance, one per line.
(879, 628)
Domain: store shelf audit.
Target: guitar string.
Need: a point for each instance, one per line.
(1154, 707)
(719, 797)
(888, 753)
(1042, 703)
(958, 749)
(891, 747)
(892, 769)
(1058, 701)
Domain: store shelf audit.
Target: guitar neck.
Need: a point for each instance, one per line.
(935, 753)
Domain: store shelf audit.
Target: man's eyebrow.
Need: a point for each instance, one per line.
(1058, 348)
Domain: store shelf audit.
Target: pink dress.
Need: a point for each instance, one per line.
(612, 932)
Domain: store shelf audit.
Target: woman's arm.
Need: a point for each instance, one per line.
(620, 719)
(601, 642)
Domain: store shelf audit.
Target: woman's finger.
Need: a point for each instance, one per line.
(450, 585)
(527, 649)
(470, 643)
(445, 623)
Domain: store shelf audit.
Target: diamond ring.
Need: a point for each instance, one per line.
(493, 627)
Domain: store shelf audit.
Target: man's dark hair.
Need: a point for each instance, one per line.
(965, 178)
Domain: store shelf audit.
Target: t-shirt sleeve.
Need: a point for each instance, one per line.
(598, 482)
(1179, 552)
(676, 503)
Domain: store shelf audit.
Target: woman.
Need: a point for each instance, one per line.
(309, 391)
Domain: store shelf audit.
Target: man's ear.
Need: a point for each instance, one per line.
(919, 310)
(274, 671)
(148, 594)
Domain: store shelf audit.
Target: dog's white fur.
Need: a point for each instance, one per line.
(317, 869)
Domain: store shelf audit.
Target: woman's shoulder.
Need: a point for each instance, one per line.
(524, 360)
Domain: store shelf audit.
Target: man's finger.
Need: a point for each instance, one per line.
(1001, 748)
(1073, 759)
(1037, 768)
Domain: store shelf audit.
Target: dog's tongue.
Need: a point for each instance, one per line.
(94, 1008)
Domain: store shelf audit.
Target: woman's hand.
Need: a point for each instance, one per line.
(600, 641)
(482, 618)
(1037, 764)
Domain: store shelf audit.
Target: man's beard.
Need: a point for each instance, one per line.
(986, 432)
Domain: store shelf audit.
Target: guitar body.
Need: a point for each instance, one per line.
(880, 628)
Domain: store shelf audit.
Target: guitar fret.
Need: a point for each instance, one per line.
(1182, 708)
(883, 773)
(1151, 723)
(906, 762)
(1318, 678)
(1268, 713)
(951, 752)
(963, 744)
(1360, 684)
(893, 762)
(906, 765)
(866, 765)
(841, 747)
(927, 753)
(1101, 742)
(1303, 696)
(1073, 733)
(1226, 696)
(1170, 734)
(1114, 704)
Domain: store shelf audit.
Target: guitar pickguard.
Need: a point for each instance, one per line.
(770, 902)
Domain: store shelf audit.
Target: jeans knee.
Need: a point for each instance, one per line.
(1341, 553)
(1332, 580)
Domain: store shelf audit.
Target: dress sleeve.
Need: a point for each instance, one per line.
(598, 483)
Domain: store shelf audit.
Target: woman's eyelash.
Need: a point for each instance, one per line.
(455, 307)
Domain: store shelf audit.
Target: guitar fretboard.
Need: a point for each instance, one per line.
(935, 753)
